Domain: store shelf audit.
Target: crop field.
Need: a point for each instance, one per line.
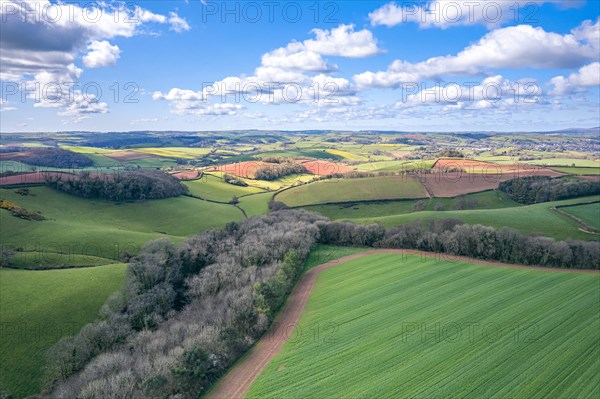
(400, 326)
(350, 156)
(299, 152)
(243, 169)
(346, 190)
(453, 184)
(565, 162)
(101, 228)
(538, 218)
(394, 166)
(128, 155)
(321, 167)
(38, 308)
(187, 175)
(215, 189)
(175, 152)
(578, 171)
(588, 213)
(483, 200)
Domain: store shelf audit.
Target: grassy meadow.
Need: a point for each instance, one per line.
(38, 308)
(529, 219)
(391, 326)
(353, 210)
(101, 228)
(215, 189)
(588, 213)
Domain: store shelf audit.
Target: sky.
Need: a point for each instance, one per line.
(436, 65)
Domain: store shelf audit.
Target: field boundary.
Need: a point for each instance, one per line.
(586, 228)
(237, 381)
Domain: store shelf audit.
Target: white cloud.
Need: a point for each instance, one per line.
(585, 78)
(513, 47)
(446, 13)
(189, 102)
(82, 105)
(101, 54)
(178, 24)
(283, 76)
(295, 57)
(343, 41)
(494, 92)
(43, 40)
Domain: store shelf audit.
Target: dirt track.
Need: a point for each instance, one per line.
(237, 381)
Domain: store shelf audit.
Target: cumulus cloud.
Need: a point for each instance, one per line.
(295, 57)
(177, 23)
(514, 47)
(189, 102)
(446, 13)
(493, 92)
(284, 75)
(306, 56)
(343, 41)
(577, 82)
(101, 54)
(42, 40)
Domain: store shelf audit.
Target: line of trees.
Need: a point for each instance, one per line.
(276, 170)
(131, 185)
(536, 189)
(188, 313)
(451, 236)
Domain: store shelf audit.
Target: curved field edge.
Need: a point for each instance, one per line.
(40, 307)
(587, 214)
(528, 219)
(385, 325)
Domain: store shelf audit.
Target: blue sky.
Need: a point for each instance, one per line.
(439, 65)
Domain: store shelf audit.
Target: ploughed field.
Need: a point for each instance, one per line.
(389, 326)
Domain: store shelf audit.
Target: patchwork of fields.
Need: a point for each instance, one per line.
(379, 326)
(389, 326)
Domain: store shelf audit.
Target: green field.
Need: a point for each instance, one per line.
(347, 190)
(578, 171)
(589, 213)
(255, 204)
(394, 166)
(102, 228)
(38, 308)
(393, 326)
(483, 200)
(175, 152)
(538, 218)
(564, 162)
(215, 189)
(322, 253)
